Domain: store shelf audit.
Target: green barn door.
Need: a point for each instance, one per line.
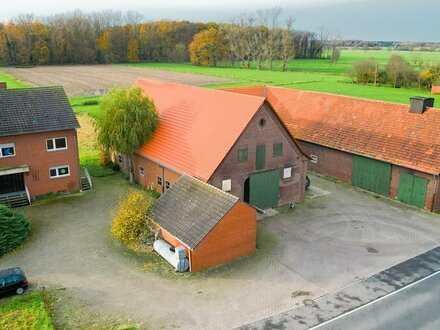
(260, 159)
(412, 190)
(372, 175)
(264, 189)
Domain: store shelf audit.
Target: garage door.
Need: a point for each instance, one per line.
(412, 189)
(372, 175)
(264, 189)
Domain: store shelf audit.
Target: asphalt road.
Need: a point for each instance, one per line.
(414, 307)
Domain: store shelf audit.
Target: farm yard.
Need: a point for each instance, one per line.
(88, 80)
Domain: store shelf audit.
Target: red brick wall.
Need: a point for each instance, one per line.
(291, 189)
(233, 237)
(31, 150)
(330, 162)
(151, 171)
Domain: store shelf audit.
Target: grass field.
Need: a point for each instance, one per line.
(11, 81)
(25, 312)
(316, 75)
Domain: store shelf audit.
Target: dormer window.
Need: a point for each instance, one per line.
(7, 150)
(56, 144)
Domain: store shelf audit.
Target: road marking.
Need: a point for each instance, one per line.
(373, 302)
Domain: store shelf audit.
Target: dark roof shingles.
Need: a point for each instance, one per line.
(190, 209)
(34, 110)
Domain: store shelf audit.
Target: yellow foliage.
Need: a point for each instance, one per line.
(130, 224)
(133, 51)
(208, 47)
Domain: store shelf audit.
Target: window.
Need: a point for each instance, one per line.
(59, 171)
(120, 158)
(167, 184)
(262, 122)
(7, 150)
(243, 154)
(277, 149)
(287, 173)
(56, 144)
(159, 180)
(141, 170)
(314, 159)
(226, 185)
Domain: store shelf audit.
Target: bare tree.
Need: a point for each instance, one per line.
(287, 45)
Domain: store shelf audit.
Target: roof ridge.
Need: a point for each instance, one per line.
(197, 87)
(344, 96)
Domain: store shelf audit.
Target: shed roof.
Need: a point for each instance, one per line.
(197, 126)
(381, 130)
(34, 110)
(190, 209)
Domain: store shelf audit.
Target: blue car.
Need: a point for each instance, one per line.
(12, 281)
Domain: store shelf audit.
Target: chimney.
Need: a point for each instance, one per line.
(3, 85)
(418, 104)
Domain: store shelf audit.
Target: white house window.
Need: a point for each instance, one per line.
(7, 150)
(314, 159)
(287, 173)
(167, 184)
(159, 180)
(59, 171)
(141, 170)
(56, 144)
(226, 185)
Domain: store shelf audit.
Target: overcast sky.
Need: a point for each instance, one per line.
(403, 20)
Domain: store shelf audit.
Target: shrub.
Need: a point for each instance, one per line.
(90, 102)
(130, 224)
(14, 228)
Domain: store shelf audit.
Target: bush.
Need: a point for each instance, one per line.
(90, 102)
(14, 228)
(130, 224)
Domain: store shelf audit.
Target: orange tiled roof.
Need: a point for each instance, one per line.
(197, 126)
(380, 130)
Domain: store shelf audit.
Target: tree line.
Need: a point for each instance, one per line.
(116, 37)
(397, 72)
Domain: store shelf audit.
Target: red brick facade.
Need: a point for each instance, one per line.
(31, 150)
(339, 164)
(272, 132)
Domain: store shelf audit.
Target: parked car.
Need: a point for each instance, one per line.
(12, 281)
(307, 182)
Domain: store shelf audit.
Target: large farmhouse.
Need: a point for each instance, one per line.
(38, 144)
(234, 142)
(388, 148)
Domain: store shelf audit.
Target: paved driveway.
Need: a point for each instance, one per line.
(322, 245)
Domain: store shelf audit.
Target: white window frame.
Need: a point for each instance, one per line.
(287, 173)
(314, 159)
(4, 146)
(57, 168)
(167, 185)
(159, 180)
(141, 170)
(227, 185)
(55, 145)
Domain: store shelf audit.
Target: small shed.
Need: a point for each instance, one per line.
(214, 227)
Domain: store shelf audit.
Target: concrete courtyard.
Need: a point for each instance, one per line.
(337, 236)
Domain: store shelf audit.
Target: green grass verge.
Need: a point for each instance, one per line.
(79, 105)
(11, 81)
(25, 312)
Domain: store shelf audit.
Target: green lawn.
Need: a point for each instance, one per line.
(25, 312)
(11, 81)
(78, 106)
(313, 81)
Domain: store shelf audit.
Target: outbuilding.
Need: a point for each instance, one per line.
(387, 148)
(213, 226)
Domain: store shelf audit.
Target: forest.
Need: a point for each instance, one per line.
(116, 37)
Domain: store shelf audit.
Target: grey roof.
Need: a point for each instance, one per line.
(190, 209)
(33, 110)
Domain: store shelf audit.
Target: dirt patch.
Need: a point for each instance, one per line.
(88, 80)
